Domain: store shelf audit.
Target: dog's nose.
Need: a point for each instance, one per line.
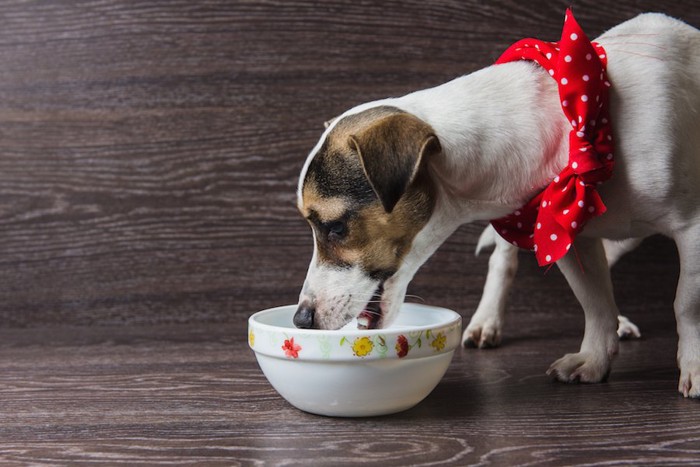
(304, 317)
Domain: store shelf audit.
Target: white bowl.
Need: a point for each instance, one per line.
(351, 372)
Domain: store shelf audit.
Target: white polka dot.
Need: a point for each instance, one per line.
(589, 56)
(544, 204)
(539, 226)
(574, 225)
(602, 55)
(566, 211)
(520, 225)
(548, 258)
(573, 36)
(584, 98)
(607, 83)
(551, 72)
(567, 59)
(553, 237)
(580, 204)
(610, 156)
(581, 183)
(504, 231)
(549, 55)
(535, 248)
(591, 209)
(609, 138)
(517, 213)
(573, 123)
(564, 189)
(564, 81)
(604, 120)
(568, 246)
(583, 149)
(586, 78)
(574, 165)
(564, 103)
(580, 119)
(580, 134)
(556, 179)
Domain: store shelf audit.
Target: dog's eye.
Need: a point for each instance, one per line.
(337, 230)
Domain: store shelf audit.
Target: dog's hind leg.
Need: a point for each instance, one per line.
(687, 309)
(586, 270)
(614, 250)
(485, 328)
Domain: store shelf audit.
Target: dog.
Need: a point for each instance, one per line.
(391, 180)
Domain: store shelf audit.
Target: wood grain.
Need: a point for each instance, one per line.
(193, 394)
(148, 161)
(149, 150)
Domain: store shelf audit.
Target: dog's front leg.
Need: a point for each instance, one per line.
(486, 326)
(586, 270)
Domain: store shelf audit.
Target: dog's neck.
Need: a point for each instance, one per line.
(503, 135)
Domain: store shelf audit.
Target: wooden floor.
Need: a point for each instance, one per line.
(195, 395)
(149, 155)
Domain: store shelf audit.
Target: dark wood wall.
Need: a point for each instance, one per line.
(149, 150)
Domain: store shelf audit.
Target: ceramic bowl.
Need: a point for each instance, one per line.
(355, 373)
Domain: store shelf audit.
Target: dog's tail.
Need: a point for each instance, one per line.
(487, 240)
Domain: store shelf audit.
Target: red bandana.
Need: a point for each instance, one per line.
(551, 220)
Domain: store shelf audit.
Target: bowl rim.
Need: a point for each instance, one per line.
(349, 332)
(405, 342)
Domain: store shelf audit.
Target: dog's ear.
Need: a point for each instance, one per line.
(391, 151)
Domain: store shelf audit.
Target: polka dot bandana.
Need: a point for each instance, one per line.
(550, 221)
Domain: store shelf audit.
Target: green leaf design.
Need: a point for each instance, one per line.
(325, 346)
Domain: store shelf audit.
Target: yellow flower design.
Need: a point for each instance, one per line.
(439, 342)
(362, 346)
(251, 338)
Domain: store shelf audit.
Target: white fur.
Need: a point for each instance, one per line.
(504, 137)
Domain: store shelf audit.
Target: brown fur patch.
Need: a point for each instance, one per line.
(337, 188)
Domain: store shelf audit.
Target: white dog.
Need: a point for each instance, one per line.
(391, 180)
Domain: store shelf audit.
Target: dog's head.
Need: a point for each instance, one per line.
(366, 193)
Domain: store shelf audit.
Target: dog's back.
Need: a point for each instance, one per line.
(654, 66)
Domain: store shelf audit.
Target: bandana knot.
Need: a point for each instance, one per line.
(549, 222)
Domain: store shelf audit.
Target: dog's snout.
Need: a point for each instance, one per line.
(304, 317)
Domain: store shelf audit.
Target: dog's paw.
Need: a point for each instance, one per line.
(626, 329)
(482, 335)
(582, 367)
(689, 382)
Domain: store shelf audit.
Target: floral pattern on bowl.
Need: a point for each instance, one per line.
(404, 340)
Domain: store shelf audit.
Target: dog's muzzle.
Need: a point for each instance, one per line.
(370, 317)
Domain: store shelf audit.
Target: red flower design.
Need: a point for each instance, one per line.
(291, 349)
(401, 346)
